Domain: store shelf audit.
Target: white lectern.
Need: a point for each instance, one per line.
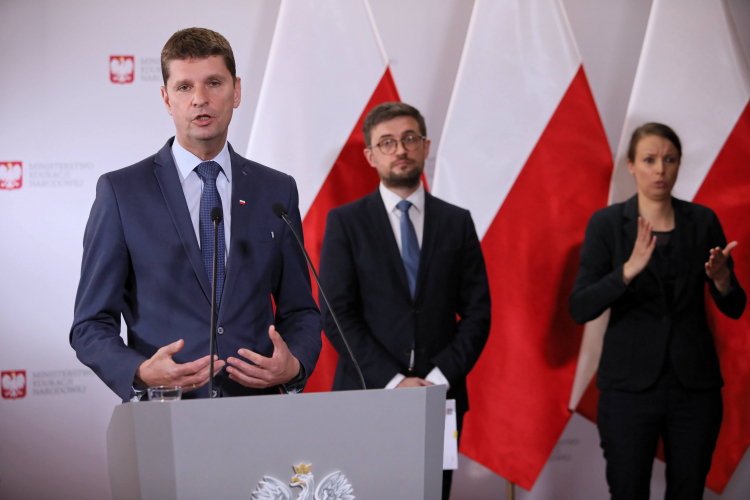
(387, 444)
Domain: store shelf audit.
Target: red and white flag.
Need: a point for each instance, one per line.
(694, 77)
(524, 149)
(326, 70)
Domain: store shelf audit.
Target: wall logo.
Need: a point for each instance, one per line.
(13, 384)
(11, 175)
(121, 69)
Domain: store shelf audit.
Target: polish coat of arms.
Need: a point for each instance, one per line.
(121, 69)
(334, 486)
(13, 384)
(11, 175)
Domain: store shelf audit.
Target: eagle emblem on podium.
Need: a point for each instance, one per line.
(334, 486)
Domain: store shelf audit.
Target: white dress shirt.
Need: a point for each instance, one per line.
(192, 186)
(416, 214)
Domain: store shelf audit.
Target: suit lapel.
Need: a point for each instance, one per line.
(169, 182)
(242, 188)
(630, 225)
(429, 235)
(384, 232)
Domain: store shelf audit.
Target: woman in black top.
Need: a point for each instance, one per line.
(648, 259)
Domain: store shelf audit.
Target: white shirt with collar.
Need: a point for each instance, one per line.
(192, 186)
(416, 214)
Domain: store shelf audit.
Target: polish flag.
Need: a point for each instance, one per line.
(326, 70)
(524, 149)
(694, 77)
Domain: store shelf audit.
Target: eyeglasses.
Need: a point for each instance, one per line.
(411, 142)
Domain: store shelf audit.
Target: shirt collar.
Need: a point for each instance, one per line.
(187, 161)
(391, 199)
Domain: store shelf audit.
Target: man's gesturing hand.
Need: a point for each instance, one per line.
(717, 269)
(265, 372)
(644, 247)
(161, 370)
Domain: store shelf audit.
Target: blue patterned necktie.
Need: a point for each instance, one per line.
(409, 246)
(209, 171)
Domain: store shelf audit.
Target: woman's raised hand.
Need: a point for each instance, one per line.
(644, 247)
(717, 269)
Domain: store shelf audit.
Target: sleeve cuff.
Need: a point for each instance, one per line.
(436, 377)
(136, 394)
(395, 381)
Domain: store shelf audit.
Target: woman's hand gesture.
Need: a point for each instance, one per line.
(644, 247)
(717, 269)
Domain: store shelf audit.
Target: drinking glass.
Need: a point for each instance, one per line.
(165, 393)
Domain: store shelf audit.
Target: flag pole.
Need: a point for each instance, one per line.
(510, 491)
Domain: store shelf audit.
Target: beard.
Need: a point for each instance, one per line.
(406, 179)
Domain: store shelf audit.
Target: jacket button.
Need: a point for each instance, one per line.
(214, 393)
(220, 330)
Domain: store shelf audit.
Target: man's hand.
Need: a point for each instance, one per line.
(717, 269)
(161, 370)
(644, 247)
(413, 382)
(280, 368)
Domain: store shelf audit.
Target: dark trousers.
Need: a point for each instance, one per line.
(630, 425)
(448, 474)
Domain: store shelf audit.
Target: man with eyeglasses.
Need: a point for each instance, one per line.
(404, 272)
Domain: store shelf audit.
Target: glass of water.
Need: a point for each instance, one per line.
(165, 393)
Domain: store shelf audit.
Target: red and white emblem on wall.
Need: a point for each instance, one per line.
(121, 69)
(11, 175)
(13, 384)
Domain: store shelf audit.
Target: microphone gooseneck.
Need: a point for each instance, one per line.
(217, 214)
(281, 213)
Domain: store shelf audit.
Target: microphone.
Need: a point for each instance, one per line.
(217, 214)
(281, 213)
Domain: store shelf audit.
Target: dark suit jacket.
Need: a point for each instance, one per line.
(635, 343)
(364, 276)
(141, 259)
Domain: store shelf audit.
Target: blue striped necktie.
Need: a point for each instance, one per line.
(409, 246)
(209, 171)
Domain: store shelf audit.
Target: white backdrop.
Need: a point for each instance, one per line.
(67, 123)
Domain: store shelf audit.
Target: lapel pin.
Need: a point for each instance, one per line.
(272, 236)
(242, 202)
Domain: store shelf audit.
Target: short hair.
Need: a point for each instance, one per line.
(388, 111)
(653, 128)
(196, 43)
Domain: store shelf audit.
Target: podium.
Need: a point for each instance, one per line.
(387, 444)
